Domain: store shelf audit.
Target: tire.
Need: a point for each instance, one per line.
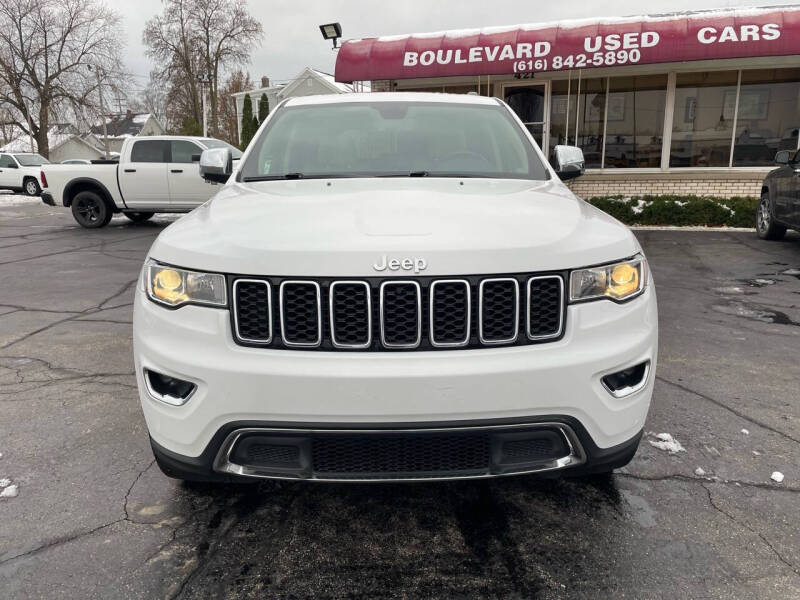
(138, 217)
(766, 227)
(90, 210)
(31, 186)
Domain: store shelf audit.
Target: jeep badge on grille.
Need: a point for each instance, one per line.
(396, 264)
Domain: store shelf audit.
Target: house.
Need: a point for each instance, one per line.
(64, 142)
(309, 82)
(126, 125)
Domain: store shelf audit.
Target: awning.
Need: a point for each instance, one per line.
(577, 44)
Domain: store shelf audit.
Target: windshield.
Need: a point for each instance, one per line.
(393, 139)
(31, 160)
(212, 143)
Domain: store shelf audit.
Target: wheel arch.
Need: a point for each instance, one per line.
(87, 184)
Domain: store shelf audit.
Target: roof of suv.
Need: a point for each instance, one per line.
(392, 97)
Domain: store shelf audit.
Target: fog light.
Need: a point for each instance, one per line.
(626, 382)
(168, 389)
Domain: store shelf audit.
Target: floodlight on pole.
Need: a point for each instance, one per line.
(331, 31)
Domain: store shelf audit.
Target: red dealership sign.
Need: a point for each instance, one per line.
(580, 44)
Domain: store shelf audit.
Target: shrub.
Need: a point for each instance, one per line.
(680, 210)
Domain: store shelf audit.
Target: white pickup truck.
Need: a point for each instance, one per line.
(154, 174)
(20, 171)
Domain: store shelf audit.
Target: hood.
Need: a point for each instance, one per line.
(342, 227)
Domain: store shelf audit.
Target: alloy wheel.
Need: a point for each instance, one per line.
(763, 214)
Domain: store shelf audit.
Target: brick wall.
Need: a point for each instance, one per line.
(721, 185)
(381, 85)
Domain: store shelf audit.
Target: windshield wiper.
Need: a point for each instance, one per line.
(273, 177)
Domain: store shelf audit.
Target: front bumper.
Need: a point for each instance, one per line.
(558, 381)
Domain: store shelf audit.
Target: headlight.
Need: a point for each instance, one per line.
(618, 281)
(175, 287)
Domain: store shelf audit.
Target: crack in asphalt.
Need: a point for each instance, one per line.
(74, 316)
(736, 412)
(751, 530)
(58, 541)
(130, 489)
(100, 244)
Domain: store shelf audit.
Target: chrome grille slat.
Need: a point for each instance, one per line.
(433, 317)
(383, 315)
(529, 325)
(238, 311)
(492, 340)
(334, 306)
(283, 314)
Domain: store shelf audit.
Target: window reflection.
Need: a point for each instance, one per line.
(702, 125)
(768, 117)
(635, 123)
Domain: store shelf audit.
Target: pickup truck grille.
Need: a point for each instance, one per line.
(378, 314)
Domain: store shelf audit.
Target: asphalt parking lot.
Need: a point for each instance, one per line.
(93, 517)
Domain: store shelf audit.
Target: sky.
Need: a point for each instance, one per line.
(292, 39)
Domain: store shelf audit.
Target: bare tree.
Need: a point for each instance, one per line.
(153, 99)
(46, 49)
(238, 81)
(192, 37)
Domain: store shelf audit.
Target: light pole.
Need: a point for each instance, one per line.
(102, 109)
(204, 78)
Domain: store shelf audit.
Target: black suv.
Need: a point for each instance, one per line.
(779, 208)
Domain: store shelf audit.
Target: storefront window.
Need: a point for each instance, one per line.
(528, 102)
(768, 117)
(635, 121)
(702, 125)
(588, 108)
(591, 111)
(559, 104)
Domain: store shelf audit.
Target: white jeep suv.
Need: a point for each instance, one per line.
(394, 287)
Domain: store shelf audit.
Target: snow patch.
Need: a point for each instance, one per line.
(699, 472)
(665, 441)
(5, 482)
(745, 431)
(12, 491)
(16, 199)
(756, 453)
(777, 476)
(729, 290)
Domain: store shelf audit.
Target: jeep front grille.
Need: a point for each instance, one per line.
(381, 314)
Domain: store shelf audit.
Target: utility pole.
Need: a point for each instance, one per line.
(102, 110)
(204, 78)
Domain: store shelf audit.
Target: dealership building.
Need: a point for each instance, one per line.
(686, 103)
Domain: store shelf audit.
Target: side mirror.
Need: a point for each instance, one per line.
(782, 157)
(568, 162)
(195, 158)
(216, 165)
(12, 165)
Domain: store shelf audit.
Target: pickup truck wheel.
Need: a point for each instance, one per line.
(32, 187)
(766, 226)
(90, 210)
(138, 217)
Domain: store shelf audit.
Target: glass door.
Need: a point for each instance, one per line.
(529, 101)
